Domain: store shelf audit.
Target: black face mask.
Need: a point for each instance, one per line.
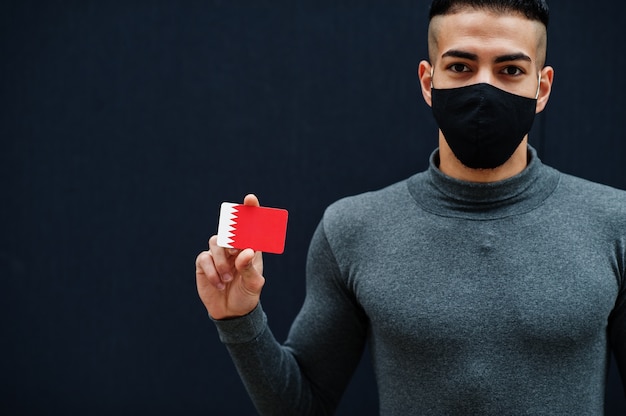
(482, 124)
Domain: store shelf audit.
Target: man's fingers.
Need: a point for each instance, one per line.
(251, 200)
(206, 272)
(221, 265)
(222, 260)
(245, 265)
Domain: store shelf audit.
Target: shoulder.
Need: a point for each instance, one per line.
(600, 206)
(366, 212)
(373, 203)
(592, 195)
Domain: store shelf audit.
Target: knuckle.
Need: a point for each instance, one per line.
(213, 278)
(202, 258)
(223, 269)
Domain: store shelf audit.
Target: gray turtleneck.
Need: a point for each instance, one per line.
(476, 299)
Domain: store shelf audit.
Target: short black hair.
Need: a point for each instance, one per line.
(532, 9)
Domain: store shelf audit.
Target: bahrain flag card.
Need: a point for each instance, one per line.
(259, 228)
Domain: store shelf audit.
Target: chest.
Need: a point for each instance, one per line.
(465, 282)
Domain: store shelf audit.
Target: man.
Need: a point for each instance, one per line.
(489, 284)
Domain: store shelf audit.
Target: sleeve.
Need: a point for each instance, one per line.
(617, 319)
(617, 326)
(308, 374)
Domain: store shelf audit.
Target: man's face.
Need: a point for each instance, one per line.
(474, 46)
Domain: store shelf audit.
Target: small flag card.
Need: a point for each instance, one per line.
(259, 228)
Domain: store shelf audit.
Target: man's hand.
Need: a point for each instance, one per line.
(229, 281)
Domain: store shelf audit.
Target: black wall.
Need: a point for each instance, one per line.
(125, 124)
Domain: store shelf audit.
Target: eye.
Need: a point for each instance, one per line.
(458, 68)
(512, 71)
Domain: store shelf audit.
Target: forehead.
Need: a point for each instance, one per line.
(486, 32)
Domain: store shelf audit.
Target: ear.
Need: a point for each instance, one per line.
(545, 87)
(424, 73)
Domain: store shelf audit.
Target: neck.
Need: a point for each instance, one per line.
(451, 166)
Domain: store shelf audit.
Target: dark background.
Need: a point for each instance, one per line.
(125, 124)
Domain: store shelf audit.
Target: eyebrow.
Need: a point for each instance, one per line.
(473, 57)
(460, 54)
(513, 57)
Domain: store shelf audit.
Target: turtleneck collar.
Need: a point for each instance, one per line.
(446, 196)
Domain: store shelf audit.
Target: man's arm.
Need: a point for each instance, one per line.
(308, 374)
(617, 330)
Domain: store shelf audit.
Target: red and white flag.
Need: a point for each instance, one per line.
(259, 228)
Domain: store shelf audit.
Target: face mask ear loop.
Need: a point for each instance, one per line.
(432, 72)
(538, 86)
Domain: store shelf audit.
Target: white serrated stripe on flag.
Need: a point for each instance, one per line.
(226, 227)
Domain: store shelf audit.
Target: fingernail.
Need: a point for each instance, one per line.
(221, 286)
(227, 277)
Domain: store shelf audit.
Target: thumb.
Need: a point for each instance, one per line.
(251, 200)
(253, 281)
